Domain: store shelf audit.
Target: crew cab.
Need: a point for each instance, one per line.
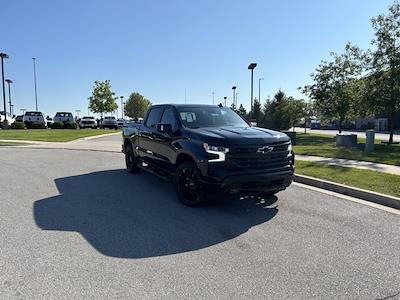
(208, 148)
(31, 117)
(63, 117)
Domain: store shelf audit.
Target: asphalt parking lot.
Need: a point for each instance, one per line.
(74, 224)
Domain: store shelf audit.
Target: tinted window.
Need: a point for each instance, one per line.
(154, 116)
(168, 117)
(33, 113)
(210, 116)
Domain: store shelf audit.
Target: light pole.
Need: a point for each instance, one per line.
(9, 81)
(122, 106)
(213, 93)
(34, 78)
(259, 89)
(225, 100)
(3, 56)
(251, 67)
(233, 100)
(23, 110)
(12, 109)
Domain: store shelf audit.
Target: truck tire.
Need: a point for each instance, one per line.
(130, 160)
(189, 187)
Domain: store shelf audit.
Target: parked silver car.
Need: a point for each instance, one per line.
(109, 122)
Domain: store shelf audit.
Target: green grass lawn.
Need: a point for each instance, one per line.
(324, 145)
(369, 180)
(51, 135)
(12, 144)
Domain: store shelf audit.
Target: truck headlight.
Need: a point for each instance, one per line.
(217, 151)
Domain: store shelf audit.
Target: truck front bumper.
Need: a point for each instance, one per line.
(257, 183)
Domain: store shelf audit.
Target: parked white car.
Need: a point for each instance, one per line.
(88, 122)
(10, 119)
(33, 117)
(63, 117)
(120, 122)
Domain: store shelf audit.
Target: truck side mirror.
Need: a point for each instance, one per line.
(164, 128)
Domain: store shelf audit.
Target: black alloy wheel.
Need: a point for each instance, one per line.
(130, 160)
(189, 187)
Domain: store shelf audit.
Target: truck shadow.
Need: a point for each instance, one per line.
(137, 216)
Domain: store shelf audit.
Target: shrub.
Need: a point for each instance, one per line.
(18, 125)
(38, 125)
(57, 125)
(5, 125)
(70, 125)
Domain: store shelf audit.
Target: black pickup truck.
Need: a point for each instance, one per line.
(208, 148)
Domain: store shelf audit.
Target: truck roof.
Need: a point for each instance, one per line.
(185, 105)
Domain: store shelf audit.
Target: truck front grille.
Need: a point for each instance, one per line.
(251, 158)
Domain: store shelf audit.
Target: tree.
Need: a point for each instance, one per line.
(242, 111)
(233, 107)
(383, 82)
(309, 112)
(136, 106)
(336, 88)
(295, 110)
(275, 115)
(102, 99)
(257, 111)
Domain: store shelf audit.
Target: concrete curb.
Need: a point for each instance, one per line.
(93, 137)
(70, 142)
(378, 198)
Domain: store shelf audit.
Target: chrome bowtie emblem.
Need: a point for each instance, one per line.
(265, 149)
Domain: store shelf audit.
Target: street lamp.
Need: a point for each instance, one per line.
(259, 89)
(251, 67)
(233, 101)
(34, 78)
(225, 100)
(9, 81)
(3, 56)
(122, 106)
(12, 109)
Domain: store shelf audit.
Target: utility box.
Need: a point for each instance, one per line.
(346, 140)
(370, 142)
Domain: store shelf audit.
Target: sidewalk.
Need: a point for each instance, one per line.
(379, 136)
(348, 163)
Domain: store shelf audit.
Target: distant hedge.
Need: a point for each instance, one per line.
(18, 125)
(57, 125)
(38, 125)
(70, 125)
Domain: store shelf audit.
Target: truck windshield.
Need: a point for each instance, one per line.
(210, 116)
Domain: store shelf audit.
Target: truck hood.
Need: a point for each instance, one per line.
(231, 136)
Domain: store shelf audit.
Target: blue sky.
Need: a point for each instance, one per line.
(162, 48)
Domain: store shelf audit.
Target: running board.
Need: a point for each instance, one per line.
(153, 171)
